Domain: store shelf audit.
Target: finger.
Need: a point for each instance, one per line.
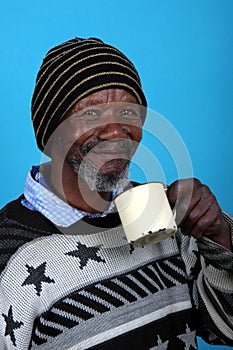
(183, 196)
(202, 218)
(200, 203)
(193, 203)
(206, 224)
(185, 208)
(181, 188)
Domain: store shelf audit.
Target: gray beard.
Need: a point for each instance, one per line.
(95, 179)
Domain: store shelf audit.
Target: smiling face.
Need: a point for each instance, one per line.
(99, 136)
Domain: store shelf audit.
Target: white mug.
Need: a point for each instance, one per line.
(146, 214)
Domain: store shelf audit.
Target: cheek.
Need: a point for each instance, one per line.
(136, 134)
(74, 138)
(76, 135)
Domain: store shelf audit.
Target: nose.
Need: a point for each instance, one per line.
(112, 130)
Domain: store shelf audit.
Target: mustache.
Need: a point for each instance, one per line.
(121, 146)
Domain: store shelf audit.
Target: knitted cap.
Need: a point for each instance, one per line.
(72, 71)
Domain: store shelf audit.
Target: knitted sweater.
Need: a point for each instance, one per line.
(83, 287)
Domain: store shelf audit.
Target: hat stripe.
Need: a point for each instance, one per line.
(49, 77)
(53, 60)
(54, 53)
(71, 77)
(75, 87)
(74, 43)
(86, 93)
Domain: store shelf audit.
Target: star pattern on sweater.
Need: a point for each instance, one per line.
(188, 338)
(85, 254)
(162, 346)
(37, 276)
(11, 325)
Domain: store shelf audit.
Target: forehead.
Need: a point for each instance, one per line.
(103, 96)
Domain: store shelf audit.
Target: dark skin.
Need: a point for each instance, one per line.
(107, 115)
(197, 210)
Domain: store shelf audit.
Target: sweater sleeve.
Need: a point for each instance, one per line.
(213, 291)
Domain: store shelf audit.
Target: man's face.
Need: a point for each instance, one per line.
(99, 136)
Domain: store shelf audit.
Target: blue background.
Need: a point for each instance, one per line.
(183, 50)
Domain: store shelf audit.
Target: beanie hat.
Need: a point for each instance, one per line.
(72, 71)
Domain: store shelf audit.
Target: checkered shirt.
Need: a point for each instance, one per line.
(39, 197)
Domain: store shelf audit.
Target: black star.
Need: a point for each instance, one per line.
(85, 253)
(11, 325)
(37, 276)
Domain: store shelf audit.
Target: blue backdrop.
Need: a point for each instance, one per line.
(183, 50)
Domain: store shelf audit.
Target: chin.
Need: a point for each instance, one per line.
(106, 179)
(111, 175)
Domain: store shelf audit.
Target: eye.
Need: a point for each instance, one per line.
(130, 114)
(90, 114)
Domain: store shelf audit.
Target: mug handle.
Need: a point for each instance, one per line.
(173, 210)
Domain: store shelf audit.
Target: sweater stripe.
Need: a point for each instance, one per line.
(79, 307)
(104, 336)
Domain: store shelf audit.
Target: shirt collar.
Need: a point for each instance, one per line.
(39, 197)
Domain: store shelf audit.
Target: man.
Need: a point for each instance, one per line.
(69, 279)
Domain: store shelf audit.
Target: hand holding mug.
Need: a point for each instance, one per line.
(197, 211)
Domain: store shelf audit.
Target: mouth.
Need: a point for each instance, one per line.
(116, 149)
(109, 161)
(115, 154)
(106, 157)
(111, 157)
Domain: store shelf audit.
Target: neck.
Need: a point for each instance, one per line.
(67, 185)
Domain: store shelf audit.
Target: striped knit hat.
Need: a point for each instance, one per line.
(72, 71)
